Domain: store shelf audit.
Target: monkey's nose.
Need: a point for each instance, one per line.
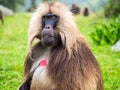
(48, 27)
(47, 33)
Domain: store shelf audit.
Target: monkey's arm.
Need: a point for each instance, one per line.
(27, 75)
(27, 65)
(36, 51)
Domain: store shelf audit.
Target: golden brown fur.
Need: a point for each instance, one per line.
(71, 65)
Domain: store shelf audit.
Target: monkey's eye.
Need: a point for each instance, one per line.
(45, 17)
(53, 17)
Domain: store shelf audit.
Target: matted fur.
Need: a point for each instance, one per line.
(71, 65)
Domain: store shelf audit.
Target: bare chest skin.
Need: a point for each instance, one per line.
(41, 79)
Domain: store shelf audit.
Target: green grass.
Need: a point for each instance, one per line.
(13, 42)
(13, 48)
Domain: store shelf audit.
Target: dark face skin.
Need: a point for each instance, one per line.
(49, 36)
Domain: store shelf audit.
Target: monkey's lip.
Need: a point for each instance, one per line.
(46, 36)
(47, 40)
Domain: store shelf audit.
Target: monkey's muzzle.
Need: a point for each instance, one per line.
(47, 40)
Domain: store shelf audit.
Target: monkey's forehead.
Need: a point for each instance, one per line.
(52, 7)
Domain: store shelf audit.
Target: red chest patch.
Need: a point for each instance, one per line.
(43, 62)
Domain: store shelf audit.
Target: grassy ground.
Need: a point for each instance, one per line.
(13, 48)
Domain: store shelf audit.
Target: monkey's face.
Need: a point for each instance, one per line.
(49, 35)
(53, 24)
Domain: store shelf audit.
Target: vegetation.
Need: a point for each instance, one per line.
(112, 8)
(13, 42)
(107, 32)
(13, 48)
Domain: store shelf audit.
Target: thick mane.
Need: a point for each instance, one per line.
(68, 36)
(81, 64)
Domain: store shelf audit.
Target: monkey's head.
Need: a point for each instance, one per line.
(53, 24)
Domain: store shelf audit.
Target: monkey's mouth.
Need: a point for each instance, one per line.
(47, 40)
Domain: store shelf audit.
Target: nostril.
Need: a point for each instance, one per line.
(47, 27)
